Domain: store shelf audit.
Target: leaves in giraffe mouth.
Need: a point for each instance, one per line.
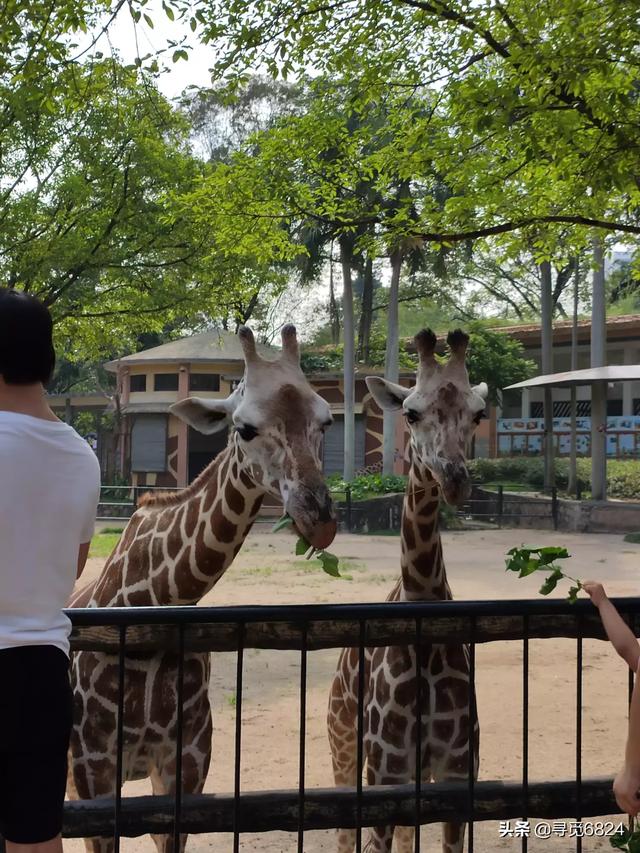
(329, 562)
(527, 560)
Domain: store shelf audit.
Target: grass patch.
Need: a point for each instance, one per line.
(103, 544)
(634, 538)
(117, 530)
(509, 486)
(377, 533)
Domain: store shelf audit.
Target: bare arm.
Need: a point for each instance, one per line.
(626, 785)
(618, 631)
(83, 553)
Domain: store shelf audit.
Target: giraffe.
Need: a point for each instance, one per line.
(442, 411)
(172, 551)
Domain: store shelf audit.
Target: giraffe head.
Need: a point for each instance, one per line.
(276, 422)
(442, 410)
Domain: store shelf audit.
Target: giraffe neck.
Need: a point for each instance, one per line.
(422, 563)
(176, 548)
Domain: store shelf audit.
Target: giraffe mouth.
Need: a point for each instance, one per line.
(320, 535)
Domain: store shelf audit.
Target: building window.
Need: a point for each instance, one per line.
(204, 382)
(614, 408)
(138, 382)
(636, 406)
(165, 382)
(149, 443)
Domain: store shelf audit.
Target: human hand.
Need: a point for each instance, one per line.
(595, 591)
(626, 787)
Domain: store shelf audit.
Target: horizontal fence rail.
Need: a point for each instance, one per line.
(133, 631)
(327, 808)
(328, 626)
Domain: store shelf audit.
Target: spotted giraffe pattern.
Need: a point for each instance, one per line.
(172, 552)
(390, 677)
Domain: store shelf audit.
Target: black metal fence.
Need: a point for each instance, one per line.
(118, 503)
(306, 628)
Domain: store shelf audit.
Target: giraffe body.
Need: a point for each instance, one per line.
(172, 552)
(448, 748)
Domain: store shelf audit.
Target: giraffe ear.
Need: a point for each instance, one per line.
(387, 395)
(207, 416)
(482, 389)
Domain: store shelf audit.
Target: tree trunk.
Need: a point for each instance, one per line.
(349, 363)
(334, 316)
(598, 389)
(572, 486)
(547, 368)
(366, 313)
(391, 364)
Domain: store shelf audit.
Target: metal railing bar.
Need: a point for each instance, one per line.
(303, 734)
(238, 743)
(119, 741)
(179, 734)
(418, 759)
(525, 727)
(472, 725)
(578, 736)
(360, 736)
(304, 613)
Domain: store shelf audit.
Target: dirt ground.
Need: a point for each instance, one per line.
(267, 572)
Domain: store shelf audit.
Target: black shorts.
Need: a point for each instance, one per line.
(35, 725)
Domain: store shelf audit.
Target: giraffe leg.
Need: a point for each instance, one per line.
(342, 729)
(86, 785)
(403, 839)
(195, 765)
(456, 768)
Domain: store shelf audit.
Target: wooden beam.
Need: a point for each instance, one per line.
(328, 808)
(328, 634)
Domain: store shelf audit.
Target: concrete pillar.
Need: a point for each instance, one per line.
(525, 403)
(183, 430)
(546, 310)
(630, 357)
(598, 389)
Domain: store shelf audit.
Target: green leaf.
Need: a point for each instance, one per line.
(551, 582)
(302, 546)
(572, 597)
(149, 21)
(329, 563)
(285, 521)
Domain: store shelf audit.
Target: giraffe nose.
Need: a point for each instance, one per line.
(314, 516)
(456, 483)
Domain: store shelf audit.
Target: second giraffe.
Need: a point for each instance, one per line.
(442, 412)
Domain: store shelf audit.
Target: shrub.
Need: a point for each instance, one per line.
(623, 475)
(366, 484)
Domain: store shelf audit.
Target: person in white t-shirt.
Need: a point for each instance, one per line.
(49, 490)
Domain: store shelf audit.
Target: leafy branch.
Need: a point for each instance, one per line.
(527, 560)
(328, 561)
(628, 840)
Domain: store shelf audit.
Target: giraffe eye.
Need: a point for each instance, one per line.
(479, 416)
(247, 432)
(412, 416)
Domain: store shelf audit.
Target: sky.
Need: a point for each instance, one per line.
(129, 40)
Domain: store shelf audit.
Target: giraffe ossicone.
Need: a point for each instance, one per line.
(175, 547)
(442, 411)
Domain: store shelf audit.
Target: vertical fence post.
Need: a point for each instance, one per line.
(347, 494)
(554, 507)
(500, 504)
(2, 845)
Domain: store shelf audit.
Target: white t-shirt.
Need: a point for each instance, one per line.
(49, 490)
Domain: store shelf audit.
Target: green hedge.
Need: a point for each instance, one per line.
(623, 475)
(368, 484)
